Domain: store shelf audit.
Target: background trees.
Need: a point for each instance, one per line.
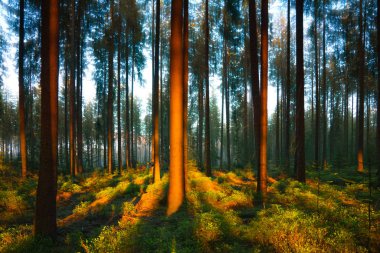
(113, 40)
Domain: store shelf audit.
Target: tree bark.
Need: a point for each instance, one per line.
(255, 86)
(21, 87)
(316, 137)
(72, 89)
(287, 111)
(300, 110)
(207, 104)
(110, 91)
(262, 173)
(176, 175)
(119, 158)
(360, 155)
(45, 216)
(185, 86)
(156, 138)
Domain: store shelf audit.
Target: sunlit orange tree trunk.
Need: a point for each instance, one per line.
(156, 139)
(21, 87)
(45, 216)
(262, 173)
(300, 110)
(176, 173)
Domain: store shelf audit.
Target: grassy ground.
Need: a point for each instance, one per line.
(125, 213)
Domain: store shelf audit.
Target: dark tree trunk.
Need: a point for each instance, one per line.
(255, 86)
(207, 104)
(185, 86)
(300, 110)
(119, 158)
(45, 216)
(110, 91)
(360, 150)
(156, 138)
(287, 110)
(316, 140)
(72, 89)
(21, 86)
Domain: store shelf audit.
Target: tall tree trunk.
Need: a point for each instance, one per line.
(227, 89)
(79, 162)
(324, 90)
(277, 148)
(316, 140)
(262, 172)
(133, 159)
(360, 154)
(378, 91)
(67, 165)
(72, 89)
(45, 216)
(255, 86)
(207, 104)
(287, 110)
(222, 121)
(156, 138)
(300, 110)
(21, 87)
(127, 132)
(110, 91)
(119, 158)
(185, 86)
(176, 173)
(200, 123)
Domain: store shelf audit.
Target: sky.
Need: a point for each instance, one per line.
(142, 91)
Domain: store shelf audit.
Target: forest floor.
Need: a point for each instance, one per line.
(99, 212)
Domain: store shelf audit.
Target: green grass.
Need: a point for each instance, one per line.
(125, 213)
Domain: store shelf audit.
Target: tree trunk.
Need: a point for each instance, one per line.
(45, 216)
(185, 86)
(255, 86)
(207, 104)
(378, 91)
(324, 90)
(287, 111)
(21, 87)
(300, 110)
(110, 92)
(119, 159)
(316, 140)
(156, 139)
(200, 124)
(127, 135)
(360, 154)
(262, 172)
(79, 162)
(72, 89)
(176, 173)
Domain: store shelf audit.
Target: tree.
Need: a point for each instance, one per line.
(262, 170)
(176, 173)
(185, 84)
(110, 88)
(72, 89)
(254, 74)
(21, 105)
(300, 110)
(361, 56)
(378, 89)
(156, 153)
(287, 110)
(207, 102)
(45, 216)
